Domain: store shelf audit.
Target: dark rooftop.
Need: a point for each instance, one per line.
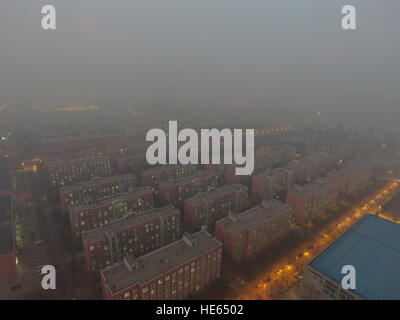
(254, 216)
(214, 193)
(145, 268)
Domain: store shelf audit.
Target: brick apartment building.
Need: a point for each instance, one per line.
(264, 158)
(90, 216)
(128, 157)
(153, 176)
(229, 175)
(246, 233)
(312, 198)
(5, 174)
(66, 172)
(96, 189)
(271, 156)
(352, 178)
(129, 162)
(205, 209)
(173, 272)
(7, 228)
(176, 191)
(308, 168)
(218, 168)
(133, 235)
(8, 267)
(271, 183)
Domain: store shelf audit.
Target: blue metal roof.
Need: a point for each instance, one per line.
(372, 246)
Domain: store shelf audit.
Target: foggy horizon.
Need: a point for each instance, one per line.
(198, 53)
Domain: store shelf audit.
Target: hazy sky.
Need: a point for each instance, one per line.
(290, 52)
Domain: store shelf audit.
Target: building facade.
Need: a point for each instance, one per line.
(176, 191)
(352, 178)
(133, 235)
(8, 267)
(309, 168)
(205, 209)
(90, 216)
(311, 199)
(272, 156)
(96, 189)
(66, 172)
(271, 183)
(154, 176)
(246, 233)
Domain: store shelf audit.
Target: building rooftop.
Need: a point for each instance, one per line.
(198, 177)
(162, 168)
(254, 216)
(273, 172)
(372, 246)
(387, 160)
(211, 194)
(128, 221)
(351, 169)
(308, 159)
(317, 186)
(274, 148)
(145, 268)
(80, 159)
(95, 181)
(118, 197)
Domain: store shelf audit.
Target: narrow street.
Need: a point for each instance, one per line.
(286, 273)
